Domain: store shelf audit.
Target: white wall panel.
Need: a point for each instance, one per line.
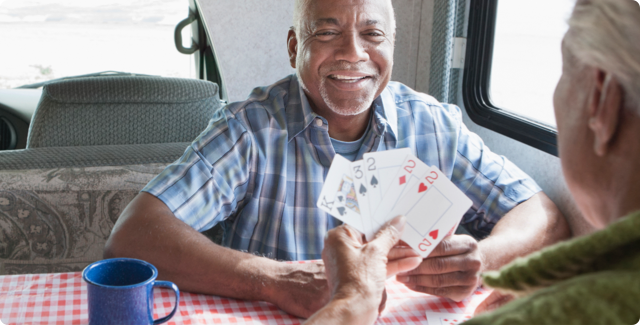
(250, 39)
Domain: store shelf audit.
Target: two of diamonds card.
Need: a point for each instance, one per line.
(368, 193)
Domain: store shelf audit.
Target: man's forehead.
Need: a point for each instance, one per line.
(338, 12)
(367, 21)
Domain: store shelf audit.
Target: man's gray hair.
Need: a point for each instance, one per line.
(300, 8)
(606, 34)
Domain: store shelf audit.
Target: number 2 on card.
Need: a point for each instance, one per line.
(432, 177)
(372, 163)
(424, 245)
(410, 165)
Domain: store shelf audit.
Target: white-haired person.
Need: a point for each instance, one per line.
(594, 279)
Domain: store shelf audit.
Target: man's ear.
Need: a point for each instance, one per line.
(605, 111)
(292, 47)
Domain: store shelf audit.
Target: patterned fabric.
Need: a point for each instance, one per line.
(86, 156)
(122, 110)
(455, 74)
(260, 165)
(444, 15)
(594, 279)
(58, 219)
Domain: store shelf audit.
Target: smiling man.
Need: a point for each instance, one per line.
(259, 167)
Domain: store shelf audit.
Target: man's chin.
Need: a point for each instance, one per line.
(349, 109)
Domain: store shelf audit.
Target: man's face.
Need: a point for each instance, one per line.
(343, 53)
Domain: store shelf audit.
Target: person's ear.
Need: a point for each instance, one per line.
(605, 111)
(292, 47)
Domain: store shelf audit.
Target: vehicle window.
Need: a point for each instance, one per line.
(48, 39)
(527, 62)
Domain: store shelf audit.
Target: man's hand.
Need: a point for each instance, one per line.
(356, 273)
(301, 289)
(494, 301)
(451, 271)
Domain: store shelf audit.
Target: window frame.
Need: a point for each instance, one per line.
(477, 82)
(207, 65)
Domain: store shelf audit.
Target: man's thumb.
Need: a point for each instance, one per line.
(390, 233)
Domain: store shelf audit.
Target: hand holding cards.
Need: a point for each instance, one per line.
(367, 194)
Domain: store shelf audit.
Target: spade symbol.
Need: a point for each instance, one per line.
(341, 211)
(363, 190)
(340, 198)
(374, 181)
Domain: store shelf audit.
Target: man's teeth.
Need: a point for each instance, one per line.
(347, 79)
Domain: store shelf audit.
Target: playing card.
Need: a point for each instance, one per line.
(433, 207)
(408, 173)
(359, 183)
(380, 169)
(338, 195)
(445, 318)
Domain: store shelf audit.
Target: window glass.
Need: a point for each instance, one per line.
(527, 61)
(48, 39)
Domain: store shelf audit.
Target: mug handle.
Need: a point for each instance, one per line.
(170, 285)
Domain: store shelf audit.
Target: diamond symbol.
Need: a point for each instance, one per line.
(403, 180)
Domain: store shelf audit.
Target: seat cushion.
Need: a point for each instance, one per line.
(122, 110)
(59, 204)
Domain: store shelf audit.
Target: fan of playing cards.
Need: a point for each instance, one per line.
(368, 193)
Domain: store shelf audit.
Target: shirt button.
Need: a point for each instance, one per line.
(318, 122)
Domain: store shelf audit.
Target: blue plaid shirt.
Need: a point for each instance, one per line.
(260, 165)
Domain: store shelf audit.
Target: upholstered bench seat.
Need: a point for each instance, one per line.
(59, 204)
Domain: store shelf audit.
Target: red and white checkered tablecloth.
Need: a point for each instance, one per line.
(62, 299)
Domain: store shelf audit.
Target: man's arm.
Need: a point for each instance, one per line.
(529, 227)
(148, 230)
(453, 268)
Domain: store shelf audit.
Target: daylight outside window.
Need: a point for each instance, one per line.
(527, 61)
(48, 39)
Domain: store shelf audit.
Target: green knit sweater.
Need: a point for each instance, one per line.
(593, 279)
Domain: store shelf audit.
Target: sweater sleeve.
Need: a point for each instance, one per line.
(598, 298)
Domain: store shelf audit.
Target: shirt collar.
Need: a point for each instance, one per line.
(385, 114)
(298, 110)
(300, 115)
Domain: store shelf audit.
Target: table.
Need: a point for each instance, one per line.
(62, 299)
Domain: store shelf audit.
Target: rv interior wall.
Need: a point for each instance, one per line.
(250, 40)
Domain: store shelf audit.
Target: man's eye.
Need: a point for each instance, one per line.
(375, 36)
(328, 35)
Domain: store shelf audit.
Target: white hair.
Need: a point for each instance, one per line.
(605, 34)
(300, 8)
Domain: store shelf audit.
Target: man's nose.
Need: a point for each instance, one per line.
(352, 49)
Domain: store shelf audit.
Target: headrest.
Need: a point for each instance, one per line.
(136, 89)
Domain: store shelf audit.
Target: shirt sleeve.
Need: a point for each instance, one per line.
(491, 181)
(209, 182)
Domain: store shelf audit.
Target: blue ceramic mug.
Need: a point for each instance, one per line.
(120, 291)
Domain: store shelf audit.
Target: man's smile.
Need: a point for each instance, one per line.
(350, 80)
